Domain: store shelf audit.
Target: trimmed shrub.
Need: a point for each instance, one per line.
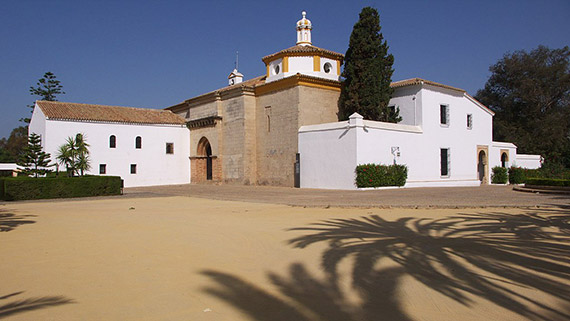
(376, 175)
(548, 182)
(516, 175)
(499, 175)
(25, 188)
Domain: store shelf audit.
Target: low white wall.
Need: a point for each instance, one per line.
(528, 161)
(154, 166)
(495, 154)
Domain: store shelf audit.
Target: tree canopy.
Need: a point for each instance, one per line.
(12, 147)
(367, 72)
(48, 87)
(530, 94)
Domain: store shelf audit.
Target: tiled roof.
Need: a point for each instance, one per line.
(303, 50)
(418, 81)
(116, 114)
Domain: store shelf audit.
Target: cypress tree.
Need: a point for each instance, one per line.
(367, 72)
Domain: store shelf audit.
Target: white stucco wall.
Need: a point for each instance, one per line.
(154, 166)
(528, 161)
(324, 151)
(496, 151)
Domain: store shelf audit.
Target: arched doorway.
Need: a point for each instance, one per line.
(504, 159)
(205, 152)
(481, 167)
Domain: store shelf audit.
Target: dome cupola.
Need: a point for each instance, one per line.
(304, 31)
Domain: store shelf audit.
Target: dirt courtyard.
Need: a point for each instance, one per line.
(184, 258)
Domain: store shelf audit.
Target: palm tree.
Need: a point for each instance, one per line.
(74, 154)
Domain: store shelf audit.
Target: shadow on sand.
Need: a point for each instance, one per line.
(30, 304)
(10, 221)
(489, 256)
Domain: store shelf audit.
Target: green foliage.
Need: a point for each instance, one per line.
(33, 159)
(367, 72)
(48, 87)
(499, 175)
(11, 148)
(517, 175)
(375, 175)
(25, 188)
(74, 155)
(548, 182)
(530, 94)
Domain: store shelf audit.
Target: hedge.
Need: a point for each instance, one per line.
(499, 175)
(548, 182)
(26, 188)
(376, 175)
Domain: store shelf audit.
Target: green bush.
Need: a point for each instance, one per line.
(375, 175)
(25, 188)
(548, 182)
(499, 175)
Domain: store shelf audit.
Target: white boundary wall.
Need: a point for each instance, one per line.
(528, 161)
(153, 165)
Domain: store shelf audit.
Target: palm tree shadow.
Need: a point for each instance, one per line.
(10, 221)
(30, 304)
(485, 255)
(307, 298)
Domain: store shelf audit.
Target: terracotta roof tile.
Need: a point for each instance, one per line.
(116, 114)
(303, 50)
(418, 81)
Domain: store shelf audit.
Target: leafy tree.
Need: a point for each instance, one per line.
(33, 159)
(12, 147)
(530, 94)
(47, 89)
(367, 72)
(74, 155)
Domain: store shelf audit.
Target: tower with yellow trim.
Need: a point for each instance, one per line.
(247, 133)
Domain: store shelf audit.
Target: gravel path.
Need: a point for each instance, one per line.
(442, 197)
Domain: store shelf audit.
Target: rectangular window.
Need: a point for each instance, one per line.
(170, 148)
(133, 168)
(444, 115)
(445, 162)
(469, 121)
(102, 169)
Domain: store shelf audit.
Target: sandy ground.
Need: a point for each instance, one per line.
(183, 258)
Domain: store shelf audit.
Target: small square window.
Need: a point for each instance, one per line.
(133, 168)
(170, 148)
(102, 169)
(469, 121)
(444, 115)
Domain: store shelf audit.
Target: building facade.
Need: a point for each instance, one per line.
(444, 138)
(142, 146)
(246, 133)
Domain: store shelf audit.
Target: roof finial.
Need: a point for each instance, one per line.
(237, 60)
(304, 27)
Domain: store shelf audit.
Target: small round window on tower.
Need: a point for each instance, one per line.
(327, 67)
(276, 69)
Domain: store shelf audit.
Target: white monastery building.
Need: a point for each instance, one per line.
(281, 129)
(142, 146)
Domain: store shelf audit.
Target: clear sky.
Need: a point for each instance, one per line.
(155, 54)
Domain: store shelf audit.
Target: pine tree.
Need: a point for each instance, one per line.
(47, 88)
(367, 72)
(33, 159)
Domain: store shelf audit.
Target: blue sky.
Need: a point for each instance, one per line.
(157, 53)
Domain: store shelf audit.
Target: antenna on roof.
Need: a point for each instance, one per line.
(237, 60)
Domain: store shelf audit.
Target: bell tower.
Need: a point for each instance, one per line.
(235, 76)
